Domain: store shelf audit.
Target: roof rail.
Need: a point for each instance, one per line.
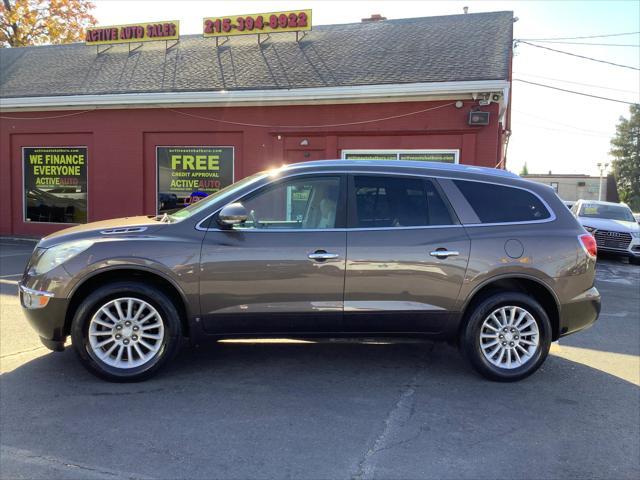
(408, 164)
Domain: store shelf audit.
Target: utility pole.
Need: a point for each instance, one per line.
(602, 169)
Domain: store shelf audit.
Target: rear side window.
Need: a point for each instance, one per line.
(500, 204)
(386, 202)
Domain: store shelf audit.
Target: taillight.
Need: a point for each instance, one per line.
(589, 245)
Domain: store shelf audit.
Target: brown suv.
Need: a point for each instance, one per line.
(471, 255)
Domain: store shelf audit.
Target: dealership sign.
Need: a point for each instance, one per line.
(188, 174)
(133, 33)
(275, 22)
(55, 184)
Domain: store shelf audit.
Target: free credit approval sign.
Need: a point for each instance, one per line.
(186, 174)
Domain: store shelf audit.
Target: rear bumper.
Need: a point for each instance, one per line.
(581, 312)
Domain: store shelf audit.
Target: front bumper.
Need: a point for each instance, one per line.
(632, 251)
(49, 320)
(580, 312)
(604, 245)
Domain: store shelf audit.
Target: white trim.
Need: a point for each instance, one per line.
(398, 152)
(344, 94)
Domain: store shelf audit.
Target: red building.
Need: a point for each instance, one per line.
(82, 131)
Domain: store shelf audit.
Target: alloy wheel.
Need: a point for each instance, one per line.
(126, 333)
(509, 337)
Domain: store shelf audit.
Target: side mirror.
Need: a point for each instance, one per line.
(233, 214)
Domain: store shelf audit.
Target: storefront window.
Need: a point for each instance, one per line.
(446, 156)
(55, 184)
(186, 175)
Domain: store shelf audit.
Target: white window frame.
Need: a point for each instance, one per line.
(398, 152)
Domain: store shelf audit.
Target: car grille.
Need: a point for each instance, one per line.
(609, 239)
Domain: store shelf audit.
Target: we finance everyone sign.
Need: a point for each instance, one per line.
(55, 184)
(133, 33)
(188, 174)
(258, 23)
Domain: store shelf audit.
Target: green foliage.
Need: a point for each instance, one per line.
(625, 149)
(525, 169)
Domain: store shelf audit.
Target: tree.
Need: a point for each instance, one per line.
(625, 149)
(35, 22)
(525, 169)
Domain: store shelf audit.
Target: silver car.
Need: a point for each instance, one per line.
(477, 257)
(613, 226)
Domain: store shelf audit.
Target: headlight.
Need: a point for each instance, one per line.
(635, 234)
(54, 256)
(589, 229)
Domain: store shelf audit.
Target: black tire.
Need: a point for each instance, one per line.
(169, 317)
(470, 336)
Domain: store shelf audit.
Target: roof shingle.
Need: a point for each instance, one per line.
(430, 49)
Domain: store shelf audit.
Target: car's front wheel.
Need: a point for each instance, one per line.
(126, 331)
(507, 336)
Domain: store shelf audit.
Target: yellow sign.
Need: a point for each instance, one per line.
(275, 22)
(133, 33)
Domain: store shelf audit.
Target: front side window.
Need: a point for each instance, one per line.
(305, 203)
(501, 204)
(387, 202)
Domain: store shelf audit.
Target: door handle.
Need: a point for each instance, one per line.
(442, 253)
(322, 255)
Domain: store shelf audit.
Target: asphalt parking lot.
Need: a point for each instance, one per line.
(343, 410)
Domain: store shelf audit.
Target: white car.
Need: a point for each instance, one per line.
(612, 225)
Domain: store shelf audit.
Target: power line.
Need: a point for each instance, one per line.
(579, 56)
(328, 125)
(573, 91)
(49, 117)
(578, 83)
(548, 120)
(591, 43)
(583, 37)
(561, 130)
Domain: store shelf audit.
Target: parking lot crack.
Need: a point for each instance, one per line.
(397, 417)
(20, 456)
(28, 350)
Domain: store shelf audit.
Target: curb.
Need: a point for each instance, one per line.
(20, 239)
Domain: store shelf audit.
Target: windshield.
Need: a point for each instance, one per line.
(610, 212)
(203, 204)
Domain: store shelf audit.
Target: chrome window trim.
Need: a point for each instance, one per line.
(552, 215)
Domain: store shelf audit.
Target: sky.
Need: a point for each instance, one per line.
(552, 131)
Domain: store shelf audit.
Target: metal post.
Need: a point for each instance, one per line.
(600, 184)
(602, 169)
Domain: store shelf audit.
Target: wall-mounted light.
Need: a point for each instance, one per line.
(304, 142)
(478, 118)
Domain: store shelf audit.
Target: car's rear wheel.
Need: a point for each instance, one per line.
(126, 331)
(507, 336)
